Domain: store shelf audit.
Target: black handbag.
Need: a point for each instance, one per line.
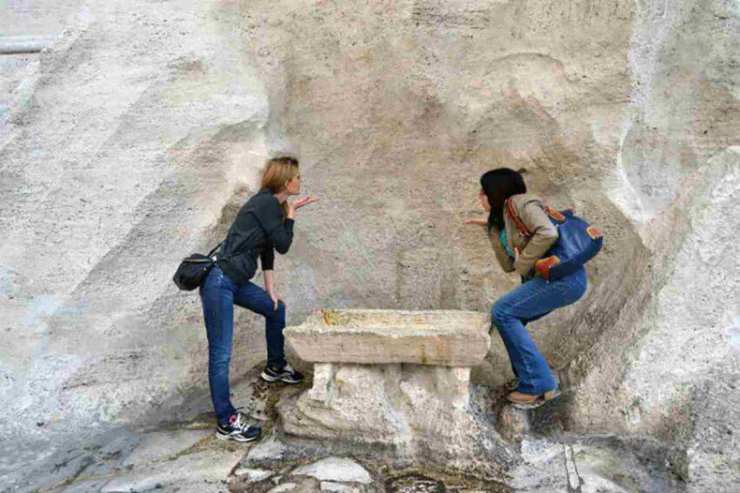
(193, 270)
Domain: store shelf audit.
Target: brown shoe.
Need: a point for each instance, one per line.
(521, 400)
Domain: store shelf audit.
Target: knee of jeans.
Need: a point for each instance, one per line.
(280, 312)
(499, 314)
(219, 357)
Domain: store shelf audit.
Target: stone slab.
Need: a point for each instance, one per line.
(338, 469)
(159, 446)
(201, 471)
(435, 337)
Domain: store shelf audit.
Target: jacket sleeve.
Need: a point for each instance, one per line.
(279, 231)
(506, 262)
(267, 257)
(544, 236)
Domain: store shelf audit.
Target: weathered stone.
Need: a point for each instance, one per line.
(284, 488)
(598, 465)
(200, 471)
(304, 485)
(421, 412)
(712, 460)
(132, 139)
(448, 338)
(336, 469)
(12, 45)
(332, 487)
(268, 449)
(252, 475)
(387, 403)
(512, 423)
(163, 445)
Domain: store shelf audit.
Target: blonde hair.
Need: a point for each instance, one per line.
(278, 172)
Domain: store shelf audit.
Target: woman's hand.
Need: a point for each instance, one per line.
(304, 201)
(297, 204)
(275, 299)
(479, 221)
(270, 288)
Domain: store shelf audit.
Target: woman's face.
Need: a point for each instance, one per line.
(484, 201)
(294, 185)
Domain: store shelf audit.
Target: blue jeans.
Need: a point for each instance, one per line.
(526, 303)
(218, 294)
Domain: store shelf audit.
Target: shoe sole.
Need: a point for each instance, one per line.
(234, 438)
(540, 401)
(270, 379)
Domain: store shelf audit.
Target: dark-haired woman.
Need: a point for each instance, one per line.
(535, 297)
(264, 224)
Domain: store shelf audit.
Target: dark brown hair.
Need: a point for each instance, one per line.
(499, 184)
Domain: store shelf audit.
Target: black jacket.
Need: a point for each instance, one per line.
(259, 229)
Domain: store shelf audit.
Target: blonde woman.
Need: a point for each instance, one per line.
(264, 224)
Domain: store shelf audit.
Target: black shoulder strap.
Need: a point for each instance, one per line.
(210, 254)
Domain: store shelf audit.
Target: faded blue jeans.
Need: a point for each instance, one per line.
(219, 294)
(532, 300)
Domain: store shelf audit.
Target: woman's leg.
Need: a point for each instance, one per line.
(529, 301)
(217, 296)
(253, 297)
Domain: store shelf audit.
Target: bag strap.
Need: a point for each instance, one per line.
(511, 210)
(210, 254)
(523, 229)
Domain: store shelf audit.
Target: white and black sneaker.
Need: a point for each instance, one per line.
(285, 374)
(238, 429)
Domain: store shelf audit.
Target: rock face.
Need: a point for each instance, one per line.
(133, 137)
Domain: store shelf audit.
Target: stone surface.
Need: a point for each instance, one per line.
(447, 338)
(605, 464)
(266, 449)
(133, 138)
(160, 445)
(338, 469)
(252, 475)
(712, 460)
(180, 452)
(304, 485)
(333, 487)
(422, 413)
(388, 403)
(596, 465)
(202, 471)
(512, 423)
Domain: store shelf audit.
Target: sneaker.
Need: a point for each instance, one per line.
(238, 429)
(286, 374)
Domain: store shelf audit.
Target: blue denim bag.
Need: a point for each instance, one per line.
(578, 242)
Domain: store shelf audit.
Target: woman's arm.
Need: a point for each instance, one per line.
(270, 287)
(279, 231)
(544, 236)
(282, 236)
(506, 263)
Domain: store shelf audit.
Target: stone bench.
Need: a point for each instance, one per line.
(438, 338)
(393, 377)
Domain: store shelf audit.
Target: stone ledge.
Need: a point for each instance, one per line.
(439, 338)
(14, 45)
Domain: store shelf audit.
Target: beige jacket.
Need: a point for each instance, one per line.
(545, 234)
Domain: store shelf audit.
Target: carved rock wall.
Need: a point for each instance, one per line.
(133, 139)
